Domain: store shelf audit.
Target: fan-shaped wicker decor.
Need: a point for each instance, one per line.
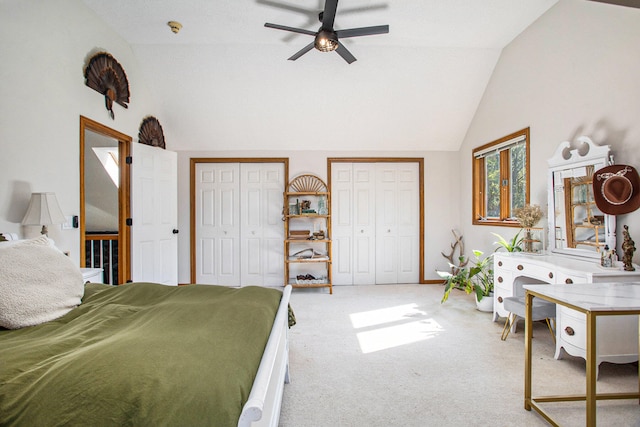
(151, 133)
(105, 75)
(307, 184)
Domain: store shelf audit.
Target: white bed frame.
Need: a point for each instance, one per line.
(263, 406)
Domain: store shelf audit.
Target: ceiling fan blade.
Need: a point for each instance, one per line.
(364, 31)
(292, 29)
(329, 14)
(313, 13)
(359, 9)
(346, 55)
(628, 3)
(301, 52)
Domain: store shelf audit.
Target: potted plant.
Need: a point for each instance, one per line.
(476, 278)
(513, 245)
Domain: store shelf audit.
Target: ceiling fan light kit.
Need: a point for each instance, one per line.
(326, 39)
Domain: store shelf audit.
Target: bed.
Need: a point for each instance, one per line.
(140, 353)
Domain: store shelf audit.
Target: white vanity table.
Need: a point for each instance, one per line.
(578, 231)
(617, 335)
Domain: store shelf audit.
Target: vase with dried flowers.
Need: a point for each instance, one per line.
(528, 216)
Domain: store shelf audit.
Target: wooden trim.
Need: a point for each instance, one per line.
(420, 161)
(478, 203)
(101, 237)
(193, 161)
(124, 199)
(505, 185)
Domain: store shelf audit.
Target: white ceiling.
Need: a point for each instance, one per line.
(224, 81)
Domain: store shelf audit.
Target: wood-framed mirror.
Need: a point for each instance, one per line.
(576, 225)
(104, 201)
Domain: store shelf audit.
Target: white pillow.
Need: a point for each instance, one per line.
(38, 283)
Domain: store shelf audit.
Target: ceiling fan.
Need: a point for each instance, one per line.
(326, 39)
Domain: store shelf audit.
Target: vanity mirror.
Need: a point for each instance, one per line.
(576, 226)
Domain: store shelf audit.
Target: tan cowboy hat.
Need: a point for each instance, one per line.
(616, 189)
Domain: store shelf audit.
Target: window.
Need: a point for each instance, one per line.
(501, 179)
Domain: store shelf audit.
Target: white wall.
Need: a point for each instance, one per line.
(573, 72)
(45, 45)
(42, 94)
(441, 185)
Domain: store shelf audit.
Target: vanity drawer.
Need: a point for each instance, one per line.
(542, 273)
(572, 328)
(617, 335)
(568, 279)
(499, 294)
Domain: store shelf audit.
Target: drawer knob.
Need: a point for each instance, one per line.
(499, 299)
(499, 263)
(550, 275)
(569, 330)
(568, 281)
(500, 279)
(520, 267)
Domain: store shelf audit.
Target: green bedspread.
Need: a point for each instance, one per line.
(141, 355)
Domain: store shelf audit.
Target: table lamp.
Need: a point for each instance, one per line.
(43, 210)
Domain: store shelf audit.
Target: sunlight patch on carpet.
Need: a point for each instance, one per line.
(403, 324)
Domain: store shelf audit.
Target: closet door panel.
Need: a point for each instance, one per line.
(364, 232)
(408, 227)
(386, 223)
(261, 223)
(272, 257)
(217, 224)
(342, 223)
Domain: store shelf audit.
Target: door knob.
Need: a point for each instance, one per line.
(175, 231)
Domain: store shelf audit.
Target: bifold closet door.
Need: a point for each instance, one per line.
(375, 216)
(239, 229)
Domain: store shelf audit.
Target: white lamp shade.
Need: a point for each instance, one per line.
(43, 210)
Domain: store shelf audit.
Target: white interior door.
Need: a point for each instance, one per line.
(262, 229)
(154, 212)
(217, 223)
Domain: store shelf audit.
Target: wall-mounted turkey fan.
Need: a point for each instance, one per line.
(326, 39)
(105, 75)
(151, 133)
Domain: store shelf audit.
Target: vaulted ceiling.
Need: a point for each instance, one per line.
(224, 81)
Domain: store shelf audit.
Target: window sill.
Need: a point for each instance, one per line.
(497, 222)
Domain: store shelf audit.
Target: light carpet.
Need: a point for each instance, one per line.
(392, 355)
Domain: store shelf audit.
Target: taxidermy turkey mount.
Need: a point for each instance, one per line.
(105, 75)
(151, 133)
(326, 39)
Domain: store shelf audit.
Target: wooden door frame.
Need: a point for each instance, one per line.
(420, 162)
(124, 203)
(192, 192)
